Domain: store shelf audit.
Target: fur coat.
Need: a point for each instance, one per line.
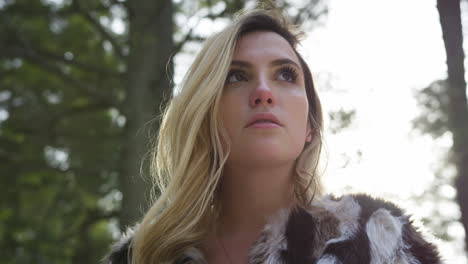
(352, 229)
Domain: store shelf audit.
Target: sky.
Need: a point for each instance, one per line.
(373, 56)
(367, 60)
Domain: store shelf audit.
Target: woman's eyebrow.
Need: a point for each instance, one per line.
(277, 62)
(283, 61)
(241, 64)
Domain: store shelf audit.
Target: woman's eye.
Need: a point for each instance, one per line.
(236, 76)
(287, 74)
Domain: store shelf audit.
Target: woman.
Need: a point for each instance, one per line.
(237, 159)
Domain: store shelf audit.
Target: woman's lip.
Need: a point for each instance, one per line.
(264, 119)
(264, 125)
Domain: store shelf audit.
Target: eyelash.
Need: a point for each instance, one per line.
(236, 72)
(290, 70)
(286, 69)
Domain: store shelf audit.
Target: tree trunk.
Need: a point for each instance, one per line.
(450, 20)
(151, 44)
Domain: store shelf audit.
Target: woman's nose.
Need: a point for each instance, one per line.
(261, 95)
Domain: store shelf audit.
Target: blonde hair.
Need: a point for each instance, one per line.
(188, 159)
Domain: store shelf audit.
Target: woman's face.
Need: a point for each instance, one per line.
(264, 106)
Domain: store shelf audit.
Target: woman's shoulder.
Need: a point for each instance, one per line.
(377, 230)
(353, 228)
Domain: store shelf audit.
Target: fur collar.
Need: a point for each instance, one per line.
(352, 229)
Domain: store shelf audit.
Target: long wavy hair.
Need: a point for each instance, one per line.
(188, 158)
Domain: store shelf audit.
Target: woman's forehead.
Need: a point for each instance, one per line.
(263, 44)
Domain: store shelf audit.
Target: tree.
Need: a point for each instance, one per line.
(150, 45)
(59, 87)
(80, 80)
(445, 104)
(450, 20)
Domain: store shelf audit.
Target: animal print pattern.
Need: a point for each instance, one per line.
(352, 229)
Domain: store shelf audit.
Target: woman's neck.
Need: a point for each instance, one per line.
(249, 196)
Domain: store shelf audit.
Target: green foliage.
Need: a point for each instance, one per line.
(62, 76)
(433, 120)
(434, 102)
(60, 142)
(341, 119)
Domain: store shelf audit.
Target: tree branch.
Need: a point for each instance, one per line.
(4, 73)
(119, 3)
(33, 58)
(308, 13)
(180, 44)
(70, 112)
(94, 215)
(97, 25)
(190, 37)
(77, 63)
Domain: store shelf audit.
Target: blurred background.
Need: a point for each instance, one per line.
(82, 83)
